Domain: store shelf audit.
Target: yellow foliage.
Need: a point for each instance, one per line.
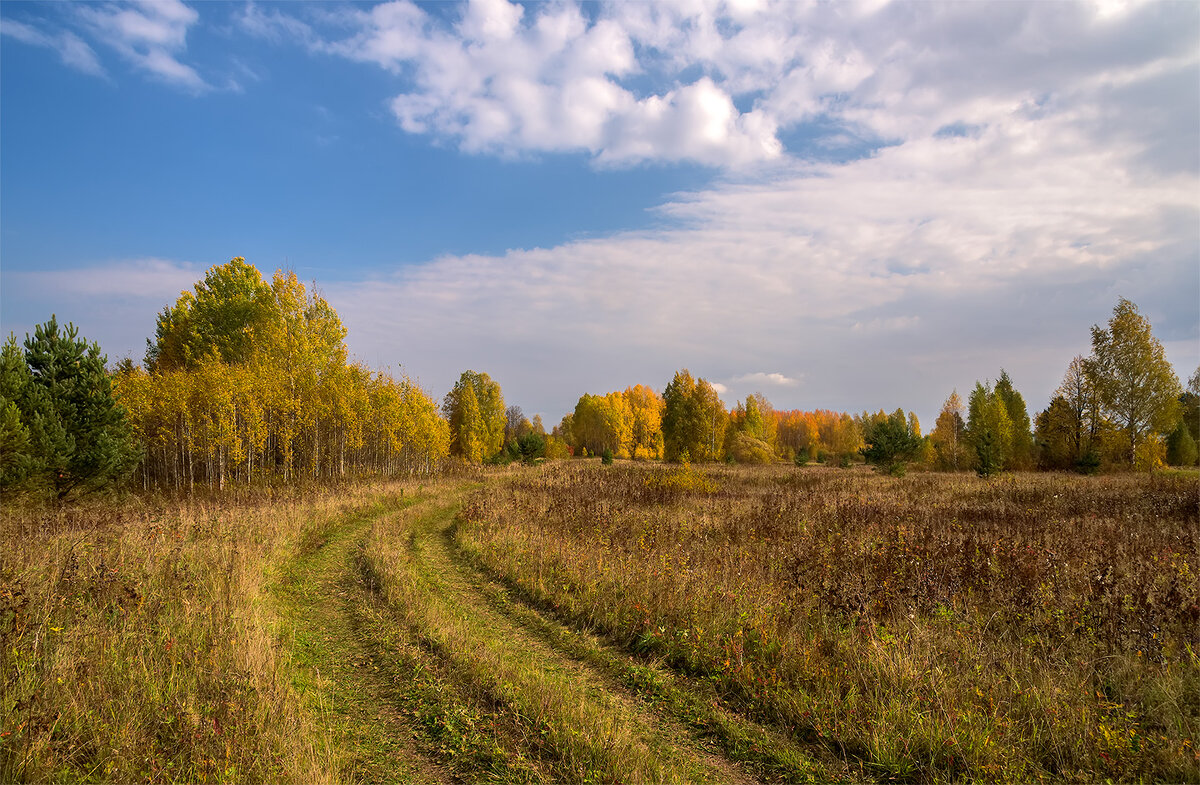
(1151, 454)
(289, 406)
(683, 478)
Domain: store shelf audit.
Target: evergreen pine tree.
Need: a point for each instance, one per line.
(77, 436)
(16, 460)
(891, 442)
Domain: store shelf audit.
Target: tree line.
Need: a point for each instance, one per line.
(1122, 406)
(245, 380)
(248, 380)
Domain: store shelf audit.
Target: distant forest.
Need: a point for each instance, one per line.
(248, 380)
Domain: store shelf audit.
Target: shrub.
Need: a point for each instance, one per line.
(530, 447)
(748, 449)
(890, 444)
(1181, 447)
(1088, 463)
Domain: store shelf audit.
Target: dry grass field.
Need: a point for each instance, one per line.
(141, 642)
(932, 627)
(632, 623)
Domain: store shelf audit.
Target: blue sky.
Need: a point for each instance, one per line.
(849, 206)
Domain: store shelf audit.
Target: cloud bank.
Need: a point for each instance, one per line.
(909, 196)
(732, 84)
(884, 282)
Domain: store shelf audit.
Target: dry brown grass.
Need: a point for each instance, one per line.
(139, 640)
(924, 628)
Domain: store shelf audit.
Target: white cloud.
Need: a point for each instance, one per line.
(150, 34)
(698, 122)
(507, 79)
(274, 26)
(763, 378)
(73, 50)
(133, 279)
(114, 304)
(897, 267)
(888, 325)
(726, 83)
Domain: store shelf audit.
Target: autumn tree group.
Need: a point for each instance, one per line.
(1122, 404)
(245, 380)
(248, 381)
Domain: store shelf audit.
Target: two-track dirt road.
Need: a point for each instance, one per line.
(424, 669)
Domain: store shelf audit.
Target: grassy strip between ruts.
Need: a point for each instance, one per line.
(331, 669)
(555, 707)
(391, 714)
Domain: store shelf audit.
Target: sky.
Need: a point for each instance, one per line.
(848, 205)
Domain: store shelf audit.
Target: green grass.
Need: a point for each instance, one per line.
(339, 677)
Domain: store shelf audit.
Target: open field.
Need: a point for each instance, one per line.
(141, 642)
(633, 623)
(932, 627)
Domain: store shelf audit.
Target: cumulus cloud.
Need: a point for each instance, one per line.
(507, 79)
(734, 84)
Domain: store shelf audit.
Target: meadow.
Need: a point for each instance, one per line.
(574, 622)
(141, 642)
(926, 628)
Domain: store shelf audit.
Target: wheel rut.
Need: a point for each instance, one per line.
(350, 688)
(625, 717)
(424, 668)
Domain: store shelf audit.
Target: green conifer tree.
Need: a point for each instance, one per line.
(891, 442)
(78, 438)
(1181, 447)
(16, 460)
